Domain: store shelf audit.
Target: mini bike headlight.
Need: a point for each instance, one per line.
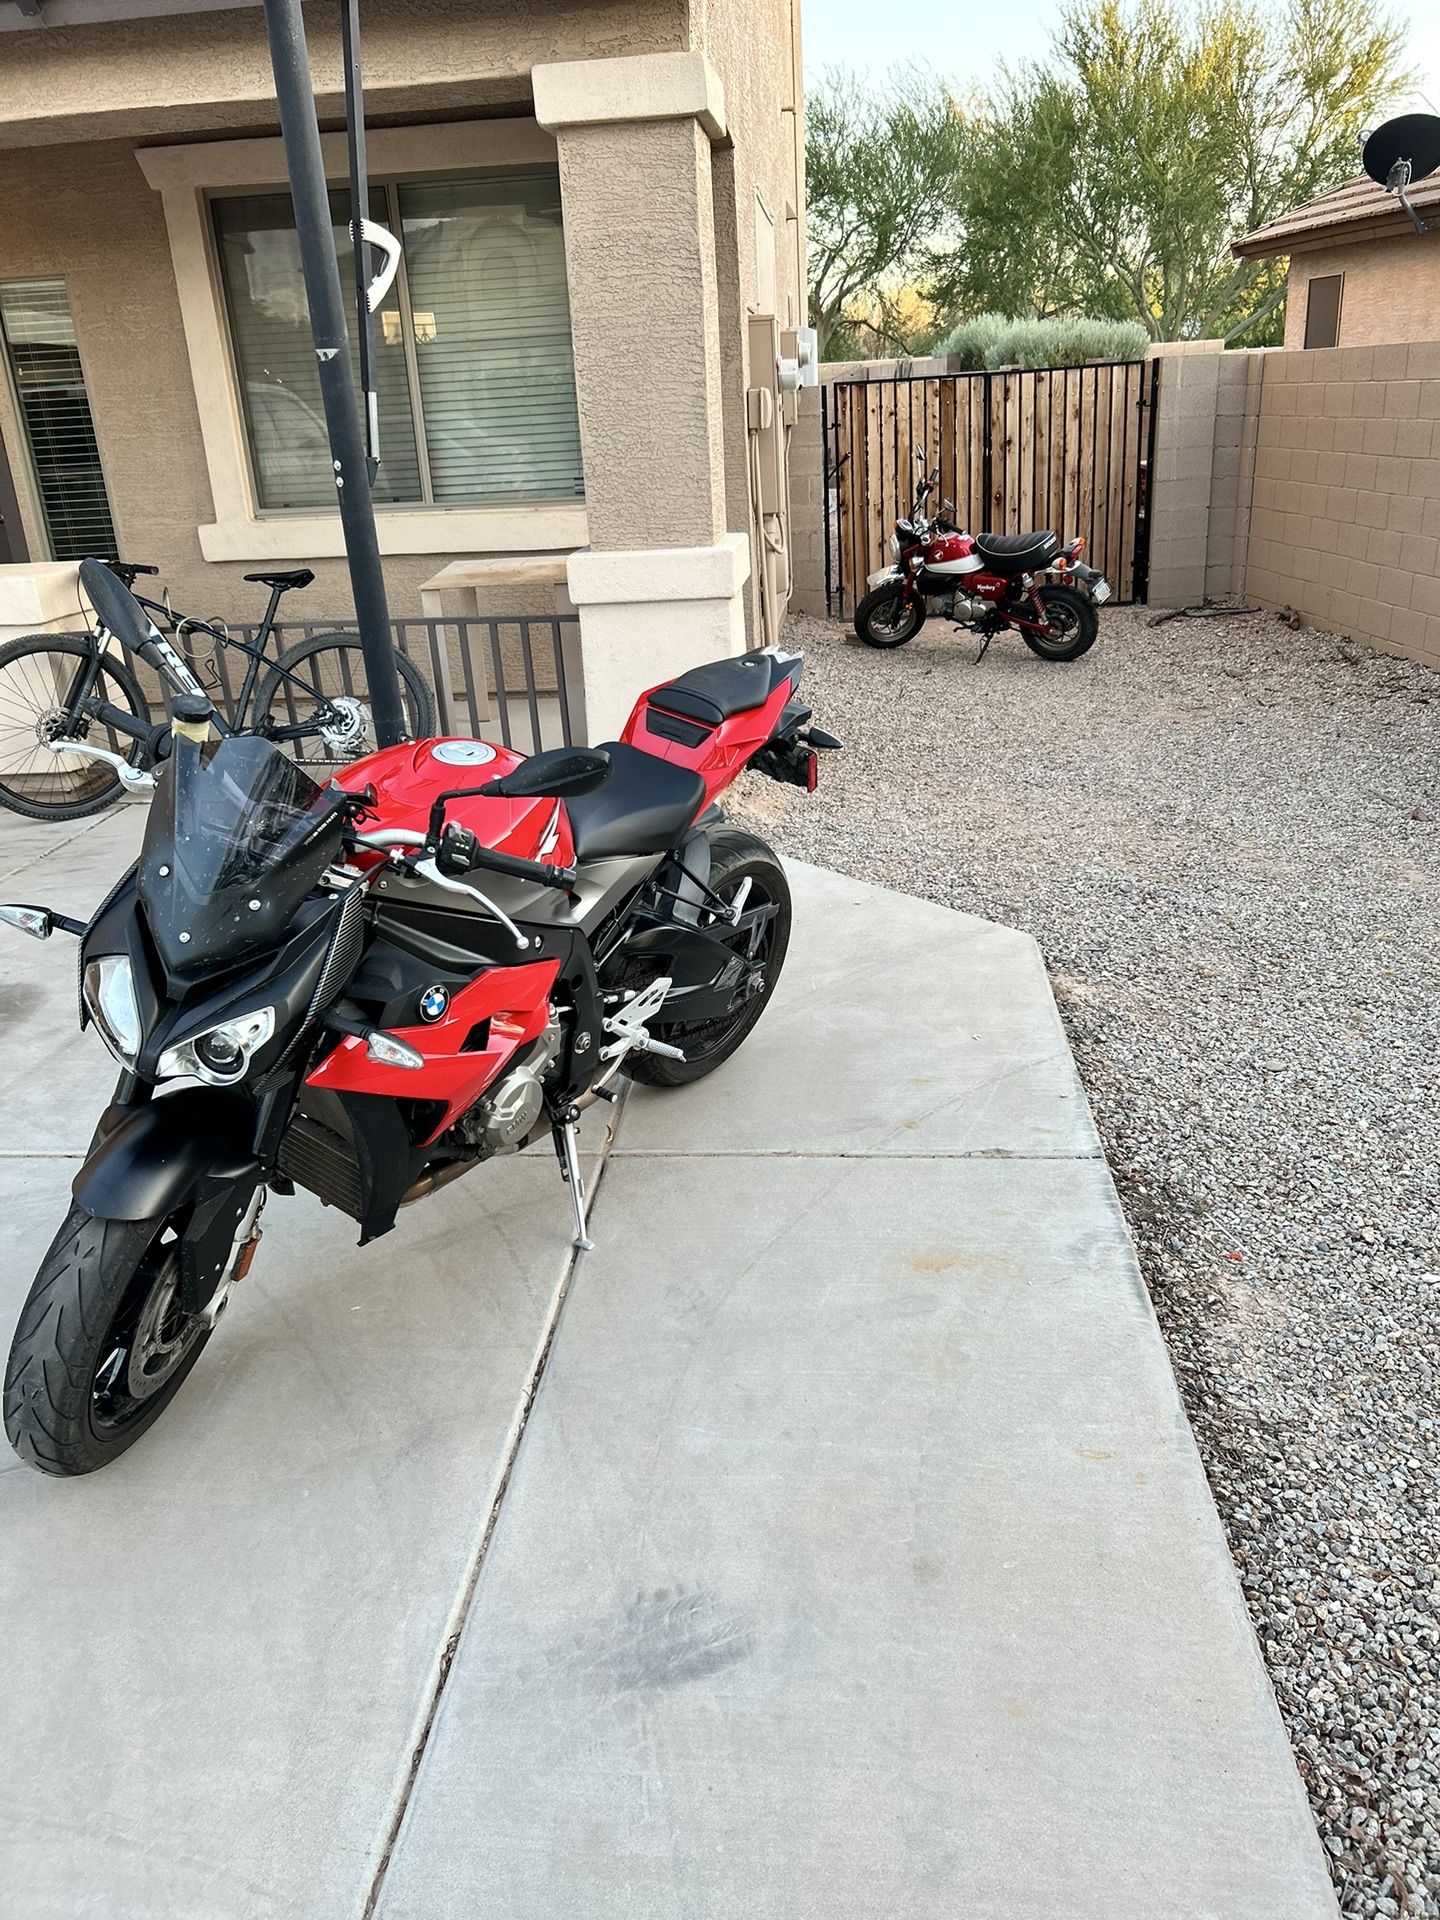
(895, 545)
(109, 990)
(221, 1055)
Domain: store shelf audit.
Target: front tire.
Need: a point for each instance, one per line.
(34, 674)
(102, 1344)
(1073, 621)
(734, 858)
(885, 618)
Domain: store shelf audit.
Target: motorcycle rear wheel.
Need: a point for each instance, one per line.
(102, 1345)
(1073, 621)
(734, 857)
(886, 619)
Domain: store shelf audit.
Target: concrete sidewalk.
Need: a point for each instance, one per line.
(830, 1542)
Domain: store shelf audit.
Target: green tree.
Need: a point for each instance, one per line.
(880, 187)
(1113, 181)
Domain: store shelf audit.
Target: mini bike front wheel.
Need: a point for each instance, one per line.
(885, 618)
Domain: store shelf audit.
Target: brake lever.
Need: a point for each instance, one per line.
(427, 869)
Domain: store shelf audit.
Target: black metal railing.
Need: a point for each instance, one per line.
(513, 679)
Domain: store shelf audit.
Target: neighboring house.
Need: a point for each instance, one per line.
(597, 198)
(1360, 275)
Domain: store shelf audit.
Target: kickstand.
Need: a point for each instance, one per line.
(567, 1152)
(984, 646)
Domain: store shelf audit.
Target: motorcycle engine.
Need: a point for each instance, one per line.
(954, 606)
(502, 1121)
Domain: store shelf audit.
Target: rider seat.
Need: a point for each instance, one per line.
(296, 577)
(722, 688)
(1010, 553)
(644, 807)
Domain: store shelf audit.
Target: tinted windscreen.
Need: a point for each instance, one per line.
(236, 838)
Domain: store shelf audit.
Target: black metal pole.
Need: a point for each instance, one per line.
(295, 93)
(360, 211)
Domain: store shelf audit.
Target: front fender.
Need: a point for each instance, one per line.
(148, 1160)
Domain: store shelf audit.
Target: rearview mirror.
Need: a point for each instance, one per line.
(556, 774)
(35, 921)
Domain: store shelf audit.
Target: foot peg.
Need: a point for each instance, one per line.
(567, 1151)
(629, 1024)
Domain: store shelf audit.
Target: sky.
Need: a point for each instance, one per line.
(965, 43)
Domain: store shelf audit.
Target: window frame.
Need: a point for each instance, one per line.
(23, 463)
(1312, 281)
(183, 176)
(389, 185)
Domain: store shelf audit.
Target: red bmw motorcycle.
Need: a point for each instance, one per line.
(369, 988)
(984, 581)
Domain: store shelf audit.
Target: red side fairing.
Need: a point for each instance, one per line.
(516, 1003)
(514, 1000)
(720, 756)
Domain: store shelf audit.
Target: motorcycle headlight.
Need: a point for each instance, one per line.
(109, 990)
(895, 545)
(221, 1055)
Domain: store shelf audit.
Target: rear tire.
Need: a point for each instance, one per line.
(105, 1288)
(1074, 622)
(734, 856)
(332, 666)
(886, 619)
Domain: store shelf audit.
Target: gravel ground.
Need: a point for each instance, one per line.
(1226, 837)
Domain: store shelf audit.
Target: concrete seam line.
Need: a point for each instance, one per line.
(58, 847)
(843, 1153)
(460, 1611)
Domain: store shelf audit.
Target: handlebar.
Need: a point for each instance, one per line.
(461, 852)
(127, 571)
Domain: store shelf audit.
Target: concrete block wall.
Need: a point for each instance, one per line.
(1345, 522)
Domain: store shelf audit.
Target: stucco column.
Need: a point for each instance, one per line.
(662, 587)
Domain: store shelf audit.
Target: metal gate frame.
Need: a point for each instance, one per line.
(1139, 446)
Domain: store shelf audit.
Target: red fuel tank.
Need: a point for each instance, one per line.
(408, 779)
(949, 547)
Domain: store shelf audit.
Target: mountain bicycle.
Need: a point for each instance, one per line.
(76, 730)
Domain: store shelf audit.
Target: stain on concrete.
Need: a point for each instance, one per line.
(661, 1639)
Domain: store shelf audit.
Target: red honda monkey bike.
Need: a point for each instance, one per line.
(984, 581)
(367, 989)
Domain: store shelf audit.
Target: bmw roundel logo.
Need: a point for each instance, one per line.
(434, 1003)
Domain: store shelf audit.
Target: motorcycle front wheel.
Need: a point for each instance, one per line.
(102, 1345)
(885, 618)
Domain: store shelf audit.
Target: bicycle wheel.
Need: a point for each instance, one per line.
(329, 696)
(40, 676)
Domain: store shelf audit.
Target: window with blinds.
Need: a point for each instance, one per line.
(259, 256)
(44, 361)
(472, 348)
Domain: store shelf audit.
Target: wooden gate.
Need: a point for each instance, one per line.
(1063, 447)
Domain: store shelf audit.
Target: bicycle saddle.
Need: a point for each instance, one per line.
(297, 577)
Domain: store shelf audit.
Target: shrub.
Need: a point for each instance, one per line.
(996, 340)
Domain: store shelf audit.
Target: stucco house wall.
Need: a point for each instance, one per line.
(1391, 291)
(678, 223)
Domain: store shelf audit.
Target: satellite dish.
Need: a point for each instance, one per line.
(1403, 150)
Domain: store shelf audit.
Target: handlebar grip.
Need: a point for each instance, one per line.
(561, 878)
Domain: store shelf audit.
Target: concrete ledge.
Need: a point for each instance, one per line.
(41, 593)
(661, 573)
(645, 86)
